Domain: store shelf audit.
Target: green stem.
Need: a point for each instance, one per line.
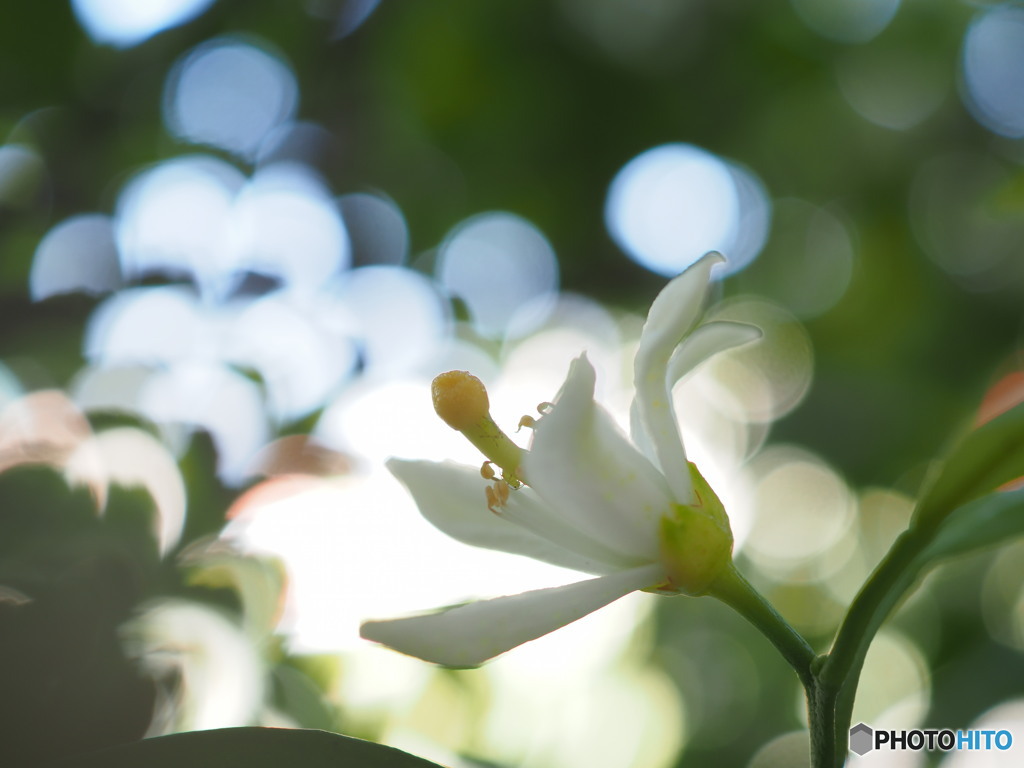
(830, 681)
(736, 592)
(821, 717)
(839, 671)
(862, 619)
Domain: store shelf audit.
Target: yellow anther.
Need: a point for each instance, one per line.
(497, 495)
(487, 471)
(501, 491)
(527, 421)
(461, 400)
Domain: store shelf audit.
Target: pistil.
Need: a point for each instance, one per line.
(460, 399)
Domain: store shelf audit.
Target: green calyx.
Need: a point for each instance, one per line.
(696, 540)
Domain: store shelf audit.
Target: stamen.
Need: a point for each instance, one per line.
(487, 471)
(527, 421)
(461, 401)
(501, 490)
(497, 495)
(545, 408)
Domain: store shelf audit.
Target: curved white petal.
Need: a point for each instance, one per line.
(471, 634)
(638, 433)
(583, 466)
(705, 342)
(219, 670)
(451, 498)
(673, 313)
(525, 508)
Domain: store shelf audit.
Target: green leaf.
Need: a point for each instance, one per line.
(297, 696)
(984, 522)
(990, 520)
(985, 459)
(249, 748)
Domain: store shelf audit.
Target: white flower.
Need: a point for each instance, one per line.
(637, 514)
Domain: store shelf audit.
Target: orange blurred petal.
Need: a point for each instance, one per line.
(270, 492)
(42, 427)
(1005, 394)
(1001, 397)
(300, 454)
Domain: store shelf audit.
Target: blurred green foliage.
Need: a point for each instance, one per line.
(451, 108)
(62, 665)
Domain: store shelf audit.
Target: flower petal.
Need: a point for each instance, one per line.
(673, 313)
(705, 342)
(469, 635)
(525, 508)
(451, 498)
(582, 465)
(675, 310)
(638, 433)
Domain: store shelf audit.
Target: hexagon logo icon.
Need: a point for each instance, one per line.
(861, 739)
